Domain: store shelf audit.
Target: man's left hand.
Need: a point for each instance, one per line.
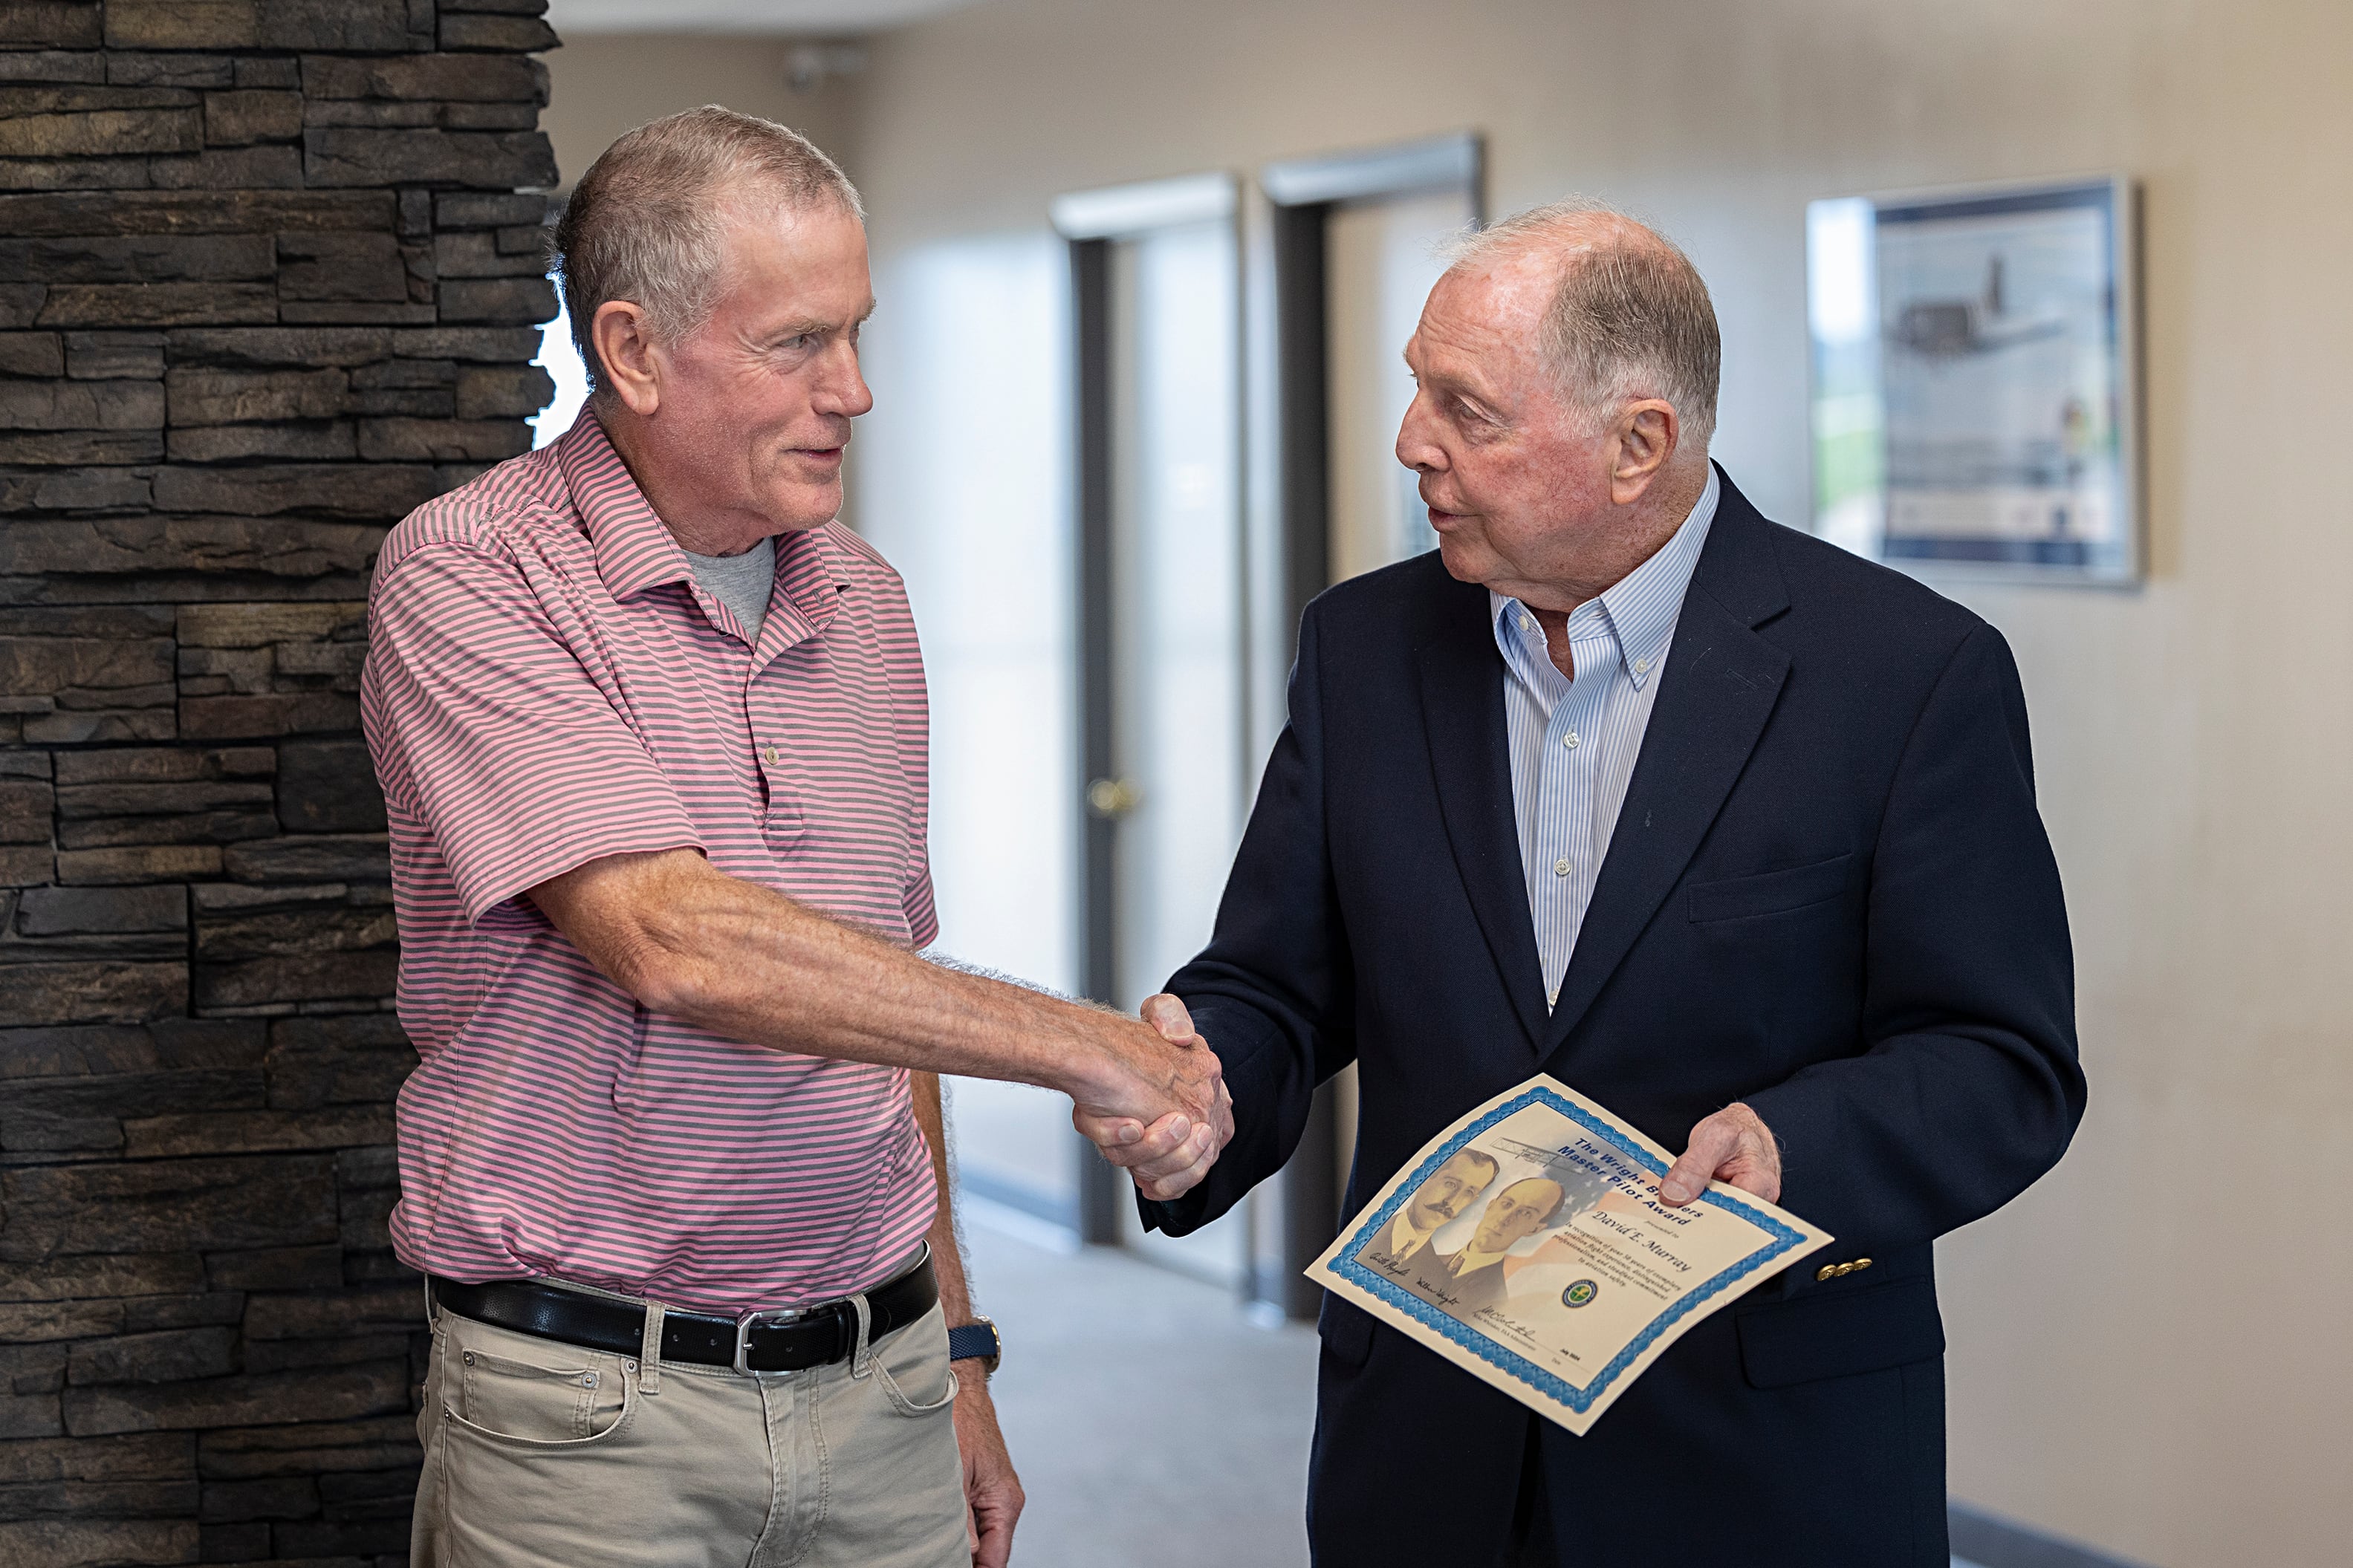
(992, 1492)
(1733, 1146)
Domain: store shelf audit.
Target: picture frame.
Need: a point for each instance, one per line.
(1975, 402)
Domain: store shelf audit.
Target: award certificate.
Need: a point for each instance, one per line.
(1528, 1245)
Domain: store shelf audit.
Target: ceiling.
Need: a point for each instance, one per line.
(780, 17)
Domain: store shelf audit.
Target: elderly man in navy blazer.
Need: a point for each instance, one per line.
(1729, 829)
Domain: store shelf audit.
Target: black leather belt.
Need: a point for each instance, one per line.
(757, 1342)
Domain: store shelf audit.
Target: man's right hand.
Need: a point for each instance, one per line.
(1166, 1151)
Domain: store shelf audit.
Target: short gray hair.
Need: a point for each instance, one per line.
(1631, 317)
(648, 222)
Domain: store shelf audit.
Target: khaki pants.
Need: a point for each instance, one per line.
(543, 1455)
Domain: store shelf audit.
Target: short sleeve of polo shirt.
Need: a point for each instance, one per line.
(493, 734)
(921, 907)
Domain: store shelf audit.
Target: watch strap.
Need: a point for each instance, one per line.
(975, 1341)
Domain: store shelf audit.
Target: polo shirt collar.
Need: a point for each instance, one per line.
(635, 549)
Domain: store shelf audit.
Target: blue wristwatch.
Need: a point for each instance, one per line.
(977, 1341)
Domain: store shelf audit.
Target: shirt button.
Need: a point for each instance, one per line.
(1527, 624)
(1569, 740)
(1642, 667)
(1560, 868)
(768, 755)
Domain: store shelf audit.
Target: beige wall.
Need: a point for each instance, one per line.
(603, 86)
(2193, 734)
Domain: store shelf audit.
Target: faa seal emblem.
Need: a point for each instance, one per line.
(1579, 1294)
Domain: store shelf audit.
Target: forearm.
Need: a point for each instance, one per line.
(947, 1246)
(1922, 1134)
(750, 964)
(992, 1491)
(1969, 1086)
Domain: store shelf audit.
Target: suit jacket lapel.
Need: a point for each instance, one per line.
(1719, 686)
(1463, 703)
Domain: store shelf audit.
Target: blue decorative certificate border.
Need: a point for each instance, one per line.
(1783, 1239)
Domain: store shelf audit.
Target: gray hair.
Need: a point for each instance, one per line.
(648, 222)
(1631, 317)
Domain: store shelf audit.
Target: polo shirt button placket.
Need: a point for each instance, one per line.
(783, 824)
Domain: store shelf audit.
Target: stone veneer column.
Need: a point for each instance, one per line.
(265, 283)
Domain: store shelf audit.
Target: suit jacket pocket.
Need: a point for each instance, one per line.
(1837, 1333)
(1770, 893)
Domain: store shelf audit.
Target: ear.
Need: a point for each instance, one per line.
(1648, 432)
(631, 362)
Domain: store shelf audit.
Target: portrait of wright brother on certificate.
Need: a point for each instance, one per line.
(1527, 1243)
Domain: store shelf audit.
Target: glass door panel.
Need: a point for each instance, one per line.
(1177, 623)
(1380, 260)
(953, 496)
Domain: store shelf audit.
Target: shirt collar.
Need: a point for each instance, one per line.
(634, 550)
(1642, 608)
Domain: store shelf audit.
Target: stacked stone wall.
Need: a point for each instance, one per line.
(270, 272)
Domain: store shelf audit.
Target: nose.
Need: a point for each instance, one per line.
(1417, 444)
(842, 390)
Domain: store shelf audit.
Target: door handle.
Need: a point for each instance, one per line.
(1112, 799)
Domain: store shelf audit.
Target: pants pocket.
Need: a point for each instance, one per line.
(539, 1460)
(912, 1366)
(571, 1397)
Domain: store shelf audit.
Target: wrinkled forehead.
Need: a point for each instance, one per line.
(1490, 301)
(754, 224)
(791, 261)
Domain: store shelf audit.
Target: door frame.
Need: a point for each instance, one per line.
(1304, 193)
(1091, 222)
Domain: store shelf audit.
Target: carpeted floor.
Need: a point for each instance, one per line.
(1154, 1424)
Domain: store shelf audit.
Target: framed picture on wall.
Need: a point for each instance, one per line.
(1975, 379)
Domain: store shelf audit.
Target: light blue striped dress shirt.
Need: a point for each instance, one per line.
(1574, 741)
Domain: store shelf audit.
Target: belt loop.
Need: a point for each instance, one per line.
(650, 1349)
(860, 1362)
(432, 1307)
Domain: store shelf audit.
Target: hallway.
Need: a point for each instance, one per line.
(1223, 1408)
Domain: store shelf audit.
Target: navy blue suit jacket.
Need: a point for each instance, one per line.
(1829, 894)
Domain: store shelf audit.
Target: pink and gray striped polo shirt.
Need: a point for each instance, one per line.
(546, 684)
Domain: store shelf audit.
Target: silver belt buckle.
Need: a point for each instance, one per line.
(745, 1325)
(749, 1321)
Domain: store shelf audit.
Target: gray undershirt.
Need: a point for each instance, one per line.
(740, 581)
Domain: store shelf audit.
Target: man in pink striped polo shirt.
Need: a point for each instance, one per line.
(652, 730)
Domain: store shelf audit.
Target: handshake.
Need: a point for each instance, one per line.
(1157, 1103)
